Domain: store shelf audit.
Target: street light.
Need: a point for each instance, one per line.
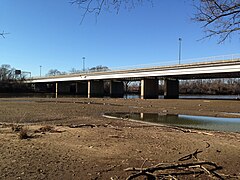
(180, 49)
(83, 63)
(40, 70)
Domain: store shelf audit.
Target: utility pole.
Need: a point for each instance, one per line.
(180, 49)
(40, 70)
(83, 63)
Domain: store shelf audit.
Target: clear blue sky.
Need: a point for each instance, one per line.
(49, 33)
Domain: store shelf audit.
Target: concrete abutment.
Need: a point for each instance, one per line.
(171, 89)
(81, 88)
(116, 89)
(149, 88)
(95, 88)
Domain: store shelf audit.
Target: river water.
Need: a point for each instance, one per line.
(128, 96)
(196, 122)
(136, 96)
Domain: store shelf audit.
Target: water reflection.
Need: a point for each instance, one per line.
(126, 96)
(197, 122)
(137, 96)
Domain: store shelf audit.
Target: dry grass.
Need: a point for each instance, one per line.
(16, 128)
(24, 133)
(46, 128)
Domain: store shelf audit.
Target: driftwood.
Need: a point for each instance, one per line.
(191, 131)
(82, 125)
(190, 156)
(163, 171)
(91, 126)
(166, 171)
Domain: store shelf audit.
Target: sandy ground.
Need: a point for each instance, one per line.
(70, 139)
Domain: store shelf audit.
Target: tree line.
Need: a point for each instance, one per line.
(224, 86)
(11, 79)
(56, 72)
(227, 86)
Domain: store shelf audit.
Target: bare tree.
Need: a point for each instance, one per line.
(53, 72)
(74, 71)
(3, 34)
(96, 6)
(6, 73)
(220, 17)
(99, 68)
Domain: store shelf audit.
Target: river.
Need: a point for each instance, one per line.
(128, 96)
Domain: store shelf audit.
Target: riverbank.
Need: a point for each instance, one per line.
(82, 144)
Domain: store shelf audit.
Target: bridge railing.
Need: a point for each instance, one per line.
(163, 63)
(182, 62)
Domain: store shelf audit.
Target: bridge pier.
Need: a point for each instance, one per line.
(116, 89)
(95, 88)
(82, 88)
(171, 89)
(149, 88)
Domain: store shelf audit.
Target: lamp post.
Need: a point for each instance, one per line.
(180, 49)
(83, 63)
(40, 70)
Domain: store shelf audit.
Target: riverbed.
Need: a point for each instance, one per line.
(86, 145)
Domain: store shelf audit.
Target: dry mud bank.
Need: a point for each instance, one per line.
(69, 139)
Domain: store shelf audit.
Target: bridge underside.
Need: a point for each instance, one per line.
(95, 88)
(206, 76)
(149, 86)
(93, 84)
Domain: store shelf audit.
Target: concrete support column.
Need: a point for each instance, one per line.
(56, 90)
(116, 89)
(95, 88)
(82, 88)
(171, 89)
(149, 89)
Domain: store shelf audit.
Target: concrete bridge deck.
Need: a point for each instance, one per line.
(92, 82)
(217, 69)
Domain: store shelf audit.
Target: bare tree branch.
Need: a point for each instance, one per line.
(220, 17)
(3, 34)
(97, 6)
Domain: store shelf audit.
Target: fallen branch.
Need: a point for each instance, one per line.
(191, 131)
(190, 156)
(184, 168)
(82, 125)
(208, 145)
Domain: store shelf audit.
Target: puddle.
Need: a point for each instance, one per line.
(196, 122)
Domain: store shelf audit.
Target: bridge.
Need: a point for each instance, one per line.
(91, 84)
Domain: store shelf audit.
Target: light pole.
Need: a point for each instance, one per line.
(83, 63)
(180, 49)
(40, 70)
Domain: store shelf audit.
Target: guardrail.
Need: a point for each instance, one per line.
(182, 62)
(163, 63)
